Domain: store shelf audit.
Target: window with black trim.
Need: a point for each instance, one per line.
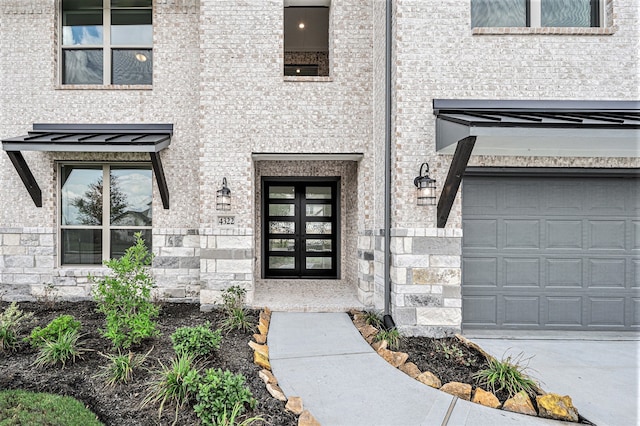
(105, 42)
(535, 13)
(306, 38)
(300, 236)
(102, 206)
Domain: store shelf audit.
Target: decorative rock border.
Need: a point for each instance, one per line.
(550, 405)
(293, 404)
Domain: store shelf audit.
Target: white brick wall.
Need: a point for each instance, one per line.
(218, 68)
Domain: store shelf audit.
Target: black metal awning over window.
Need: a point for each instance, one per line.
(530, 128)
(151, 138)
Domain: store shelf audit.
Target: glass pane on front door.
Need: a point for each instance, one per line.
(319, 245)
(318, 228)
(282, 227)
(282, 192)
(318, 210)
(282, 262)
(282, 209)
(318, 263)
(282, 244)
(318, 193)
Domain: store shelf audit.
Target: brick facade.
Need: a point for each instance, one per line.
(218, 78)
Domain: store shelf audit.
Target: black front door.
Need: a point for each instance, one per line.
(300, 227)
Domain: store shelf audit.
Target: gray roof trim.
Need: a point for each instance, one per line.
(151, 138)
(531, 126)
(564, 128)
(534, 105)
(93, 138)
(307, 156)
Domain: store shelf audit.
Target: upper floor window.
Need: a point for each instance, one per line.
(535, 13)
(107, 42)
(306, 38)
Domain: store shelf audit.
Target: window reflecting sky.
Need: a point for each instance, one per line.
(85, 35)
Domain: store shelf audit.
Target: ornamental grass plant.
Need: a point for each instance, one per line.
(507, 375)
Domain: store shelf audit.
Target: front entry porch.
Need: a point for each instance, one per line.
(306, 296)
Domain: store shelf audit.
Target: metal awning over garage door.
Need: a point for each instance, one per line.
(151, 138)
(531, 128)
(552, 251)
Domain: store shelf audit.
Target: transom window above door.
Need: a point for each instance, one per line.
(300, 228)
(106, 42)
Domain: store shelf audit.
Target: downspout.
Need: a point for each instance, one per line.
(387, 319)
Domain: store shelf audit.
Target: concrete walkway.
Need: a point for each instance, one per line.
(602, 377)
(322, 358)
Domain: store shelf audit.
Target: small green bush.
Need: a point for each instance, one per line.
(65, 348)
(454, 352)
(125, 297)
(51, 331)
(231, 418)
(237, 317)
(373, 318)
(176, 384)
(508, 375)
(10, 321)
(391, 336)
(199, 340)
(18, 407)
(220, 393)
(121, 367)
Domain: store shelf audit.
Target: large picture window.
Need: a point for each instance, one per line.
(300, 228)
(101, 208)
(107, 42)
(535, 13)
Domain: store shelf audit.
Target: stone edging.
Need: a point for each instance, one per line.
(550, 405)
(261, 359)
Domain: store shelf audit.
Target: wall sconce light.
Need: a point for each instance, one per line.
(223, 197)
(426, 195)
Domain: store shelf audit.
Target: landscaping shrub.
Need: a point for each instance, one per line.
(60, 350)
(10, 321)
(231, 418)
(508, 375)
(373, 318)
(18, 407)
(220, 394)
(121, 366)
(453, 352)
(125, 297)
(198, 341)
(237, 317)
(51, 331)
(391, 336)
(175, 385)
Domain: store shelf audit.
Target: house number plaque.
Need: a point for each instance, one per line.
(226, 220)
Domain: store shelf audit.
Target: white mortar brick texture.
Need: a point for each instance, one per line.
(222, 88)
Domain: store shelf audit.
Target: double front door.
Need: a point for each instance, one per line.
(300, 227)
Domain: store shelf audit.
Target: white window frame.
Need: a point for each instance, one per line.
(106, 46)
(106, 226)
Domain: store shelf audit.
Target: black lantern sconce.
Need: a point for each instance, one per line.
(426, 195)
(223, 197)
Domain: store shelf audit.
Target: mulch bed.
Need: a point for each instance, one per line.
(120, 405)
(447, 358)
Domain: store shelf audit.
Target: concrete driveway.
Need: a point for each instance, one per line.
(601, 376)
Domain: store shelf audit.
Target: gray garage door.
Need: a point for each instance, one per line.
(551, 253)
